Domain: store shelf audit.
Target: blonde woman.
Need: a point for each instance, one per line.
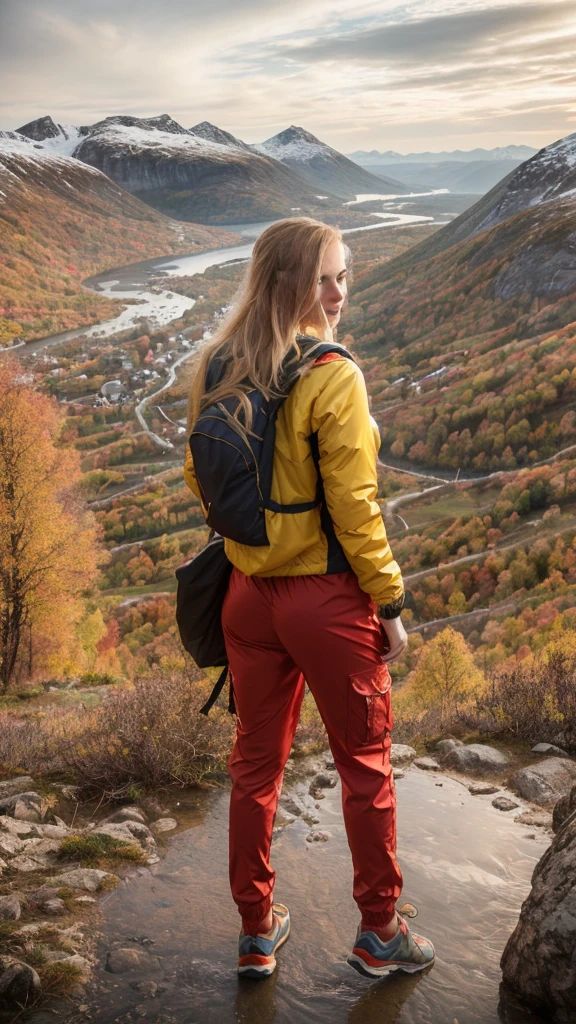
(318, 597)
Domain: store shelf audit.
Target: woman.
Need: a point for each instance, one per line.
(321, 602)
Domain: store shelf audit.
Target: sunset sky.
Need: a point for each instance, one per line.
(427, 74)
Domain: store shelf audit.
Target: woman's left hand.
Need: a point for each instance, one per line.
(397, 638)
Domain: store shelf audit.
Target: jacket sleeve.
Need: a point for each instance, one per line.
(348, 454)
(189, 474)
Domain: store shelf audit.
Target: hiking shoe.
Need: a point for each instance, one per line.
(256, 953)
(405, 952)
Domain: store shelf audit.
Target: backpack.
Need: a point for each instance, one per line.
(234, 467)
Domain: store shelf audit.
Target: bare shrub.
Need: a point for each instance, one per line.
(150, 735)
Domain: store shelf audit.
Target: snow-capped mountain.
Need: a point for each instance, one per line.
(546, 180)
(323, 166)
(206, 130)
(374, 157)
(201, 174)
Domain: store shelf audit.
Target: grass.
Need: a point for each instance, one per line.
(98, 850)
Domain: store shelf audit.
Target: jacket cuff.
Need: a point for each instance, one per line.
(392, 610)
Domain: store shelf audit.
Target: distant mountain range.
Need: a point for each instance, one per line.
(365, 159)
(206, 174)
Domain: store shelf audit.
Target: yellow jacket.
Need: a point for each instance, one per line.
(330, 399)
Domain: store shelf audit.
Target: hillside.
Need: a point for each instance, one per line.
(325, 167)
(62, 221)
(471, 354)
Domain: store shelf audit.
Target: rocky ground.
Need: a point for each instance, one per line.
(50, 896)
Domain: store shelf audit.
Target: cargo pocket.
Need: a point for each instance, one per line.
(369, 709)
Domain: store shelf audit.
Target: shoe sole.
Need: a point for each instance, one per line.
(382, 972)
(265, 970)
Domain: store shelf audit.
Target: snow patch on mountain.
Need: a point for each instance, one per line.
(293, 144)
(139, 139)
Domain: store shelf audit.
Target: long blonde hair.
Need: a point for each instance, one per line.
(276, 302)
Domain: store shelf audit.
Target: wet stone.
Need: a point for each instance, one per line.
(19, 984)
(148, 989)
(289, 805)
(503, 803)
(482, 788)
(427, 764)
(542, 819)
(318, 836)
(164, 825)
(128, 814)
(324, 780)
(82, 878)
(124, 960)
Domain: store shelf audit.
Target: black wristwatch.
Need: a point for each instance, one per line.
(392, 610)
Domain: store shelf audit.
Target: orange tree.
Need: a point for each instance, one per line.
(48, 545)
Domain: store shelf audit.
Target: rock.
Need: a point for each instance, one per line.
(401, 753)
(311, 819)
(146, 988)
(539, 961)
(482, 788)
(445, 746)
(476, 757)
(504, 803)
(19, 985)
(38, 896)
(563, 809)
(39, 853)
(550, 749)
(546, 782)
(10, 909)
(318, 836)
(22, 829)
(329, 764)
(28, 807)
(55, 831)
(10, 845)
(84, 900)
(121, 961)
(55, 906)
(542, 819)
(289, 805)
(131, 813)
(153, 858)
(82, 964)
(398, 773)
(3, 866)
(31, 929)
(316, 793)
(324, 780)
(427, 764)
(19, 785)
(164, 825)
(125, 831)
(81, 878)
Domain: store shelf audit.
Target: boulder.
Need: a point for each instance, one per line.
(38, 854)
(401, 753)
(482, 788)
(21, 784)
(55, 906)
(164, 825)
(131, 813)
(445, 746)
(427, 764)
(550, 749)
(127, 831)
(546, 782)
(475, 758)
(55, 831)
(19, 985)
(25, 806)
(10, 909)
(89, 879)
(10, 845)
(504, 803)
(541, 819)
(123, 960)
(23, 829)
(539, 961)
(563, 809)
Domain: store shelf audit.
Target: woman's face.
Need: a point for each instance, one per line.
(332, 287)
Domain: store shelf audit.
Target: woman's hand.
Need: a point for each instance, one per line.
(397, 638)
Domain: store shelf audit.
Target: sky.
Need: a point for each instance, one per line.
(382, 74)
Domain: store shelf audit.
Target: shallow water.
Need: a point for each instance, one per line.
(466, 866)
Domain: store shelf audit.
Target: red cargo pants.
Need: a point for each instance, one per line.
(279, 632)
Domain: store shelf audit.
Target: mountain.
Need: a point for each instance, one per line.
(324, 167)
(476, 177)
(62, 220)
(470, 345)
(206, 130)
(202, 174)
(367, 159)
